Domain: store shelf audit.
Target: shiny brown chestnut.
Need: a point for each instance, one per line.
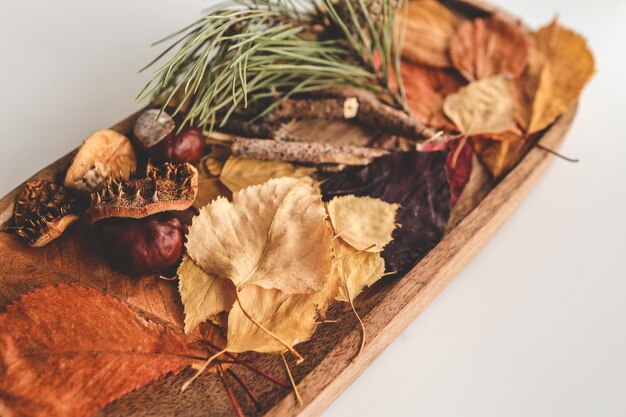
(187, 146)
(142, 246)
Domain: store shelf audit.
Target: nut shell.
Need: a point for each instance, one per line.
(105, 154)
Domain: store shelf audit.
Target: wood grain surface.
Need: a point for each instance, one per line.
(386, 308)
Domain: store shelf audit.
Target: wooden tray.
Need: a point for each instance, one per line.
(386, 309)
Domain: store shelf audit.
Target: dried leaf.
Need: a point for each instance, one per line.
(208, 190)
(356, 269)
(484, 106)
(291, 317)
(415, 180)
(499, 152)
(482, 48)
(560, 66)
(365, 223)
(426, 89)
(239, 173)
(70, 350)
(203, 295)
(429, 27)
(267, 236)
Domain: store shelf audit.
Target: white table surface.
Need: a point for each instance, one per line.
(534, 326)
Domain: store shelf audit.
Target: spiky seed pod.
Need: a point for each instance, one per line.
(165, 188)
(42, 212)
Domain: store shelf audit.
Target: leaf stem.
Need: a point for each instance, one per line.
(293, 382)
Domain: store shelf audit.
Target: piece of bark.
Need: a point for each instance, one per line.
(318, 153)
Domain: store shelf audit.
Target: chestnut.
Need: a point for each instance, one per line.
(142, 246)
(187, 146)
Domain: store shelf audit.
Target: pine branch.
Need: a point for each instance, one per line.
(261, 52)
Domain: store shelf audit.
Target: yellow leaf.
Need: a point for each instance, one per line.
(272, 235)
(356, 269)
(203, 295)
(484, 106)
(238, 173)
(214, 161)
(290, 317)
(429, 27)
(366, 223)
(560, 65)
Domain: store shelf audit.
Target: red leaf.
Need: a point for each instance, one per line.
(458, 164)
(70, 350)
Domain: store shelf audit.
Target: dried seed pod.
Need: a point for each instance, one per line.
(42, 212)
(153, 126)
(169, 187)
(142, 246)
(105, 154)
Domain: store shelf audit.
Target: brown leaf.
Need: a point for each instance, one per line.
(560, 66)
(269, 235)
(238, 173)
(484, 106)
(429, 27)
(426, 89)
(70, 350)
(499, 152)
(482, 48)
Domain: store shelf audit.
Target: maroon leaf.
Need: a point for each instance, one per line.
(415, 180)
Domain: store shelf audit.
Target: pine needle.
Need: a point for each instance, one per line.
(244, 57)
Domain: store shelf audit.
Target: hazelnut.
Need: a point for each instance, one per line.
(142, 246)
(105, 154)
(187, 146)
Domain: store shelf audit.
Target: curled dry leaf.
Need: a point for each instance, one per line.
(426, 89)
(105, 154)
(268, 235)
(482, 48)
(484, 106)
(55, 362)
(417, 181)
(429, 27)
(499, 152)
(560, 66)
(238, 173)
(365, 223)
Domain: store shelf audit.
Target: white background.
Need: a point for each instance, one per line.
(536, 324)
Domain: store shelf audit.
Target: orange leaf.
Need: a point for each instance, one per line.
(429, 27)
(70, 350)
(482, 48)
(426, 89)
(561, 64)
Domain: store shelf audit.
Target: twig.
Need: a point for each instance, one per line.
(312, 152)
(250, 366)
(229, 391)
(246, 388)
(558, 155)
(293, 382)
